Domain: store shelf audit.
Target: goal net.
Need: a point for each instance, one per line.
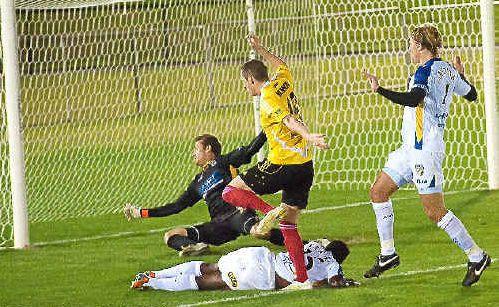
(114, 92)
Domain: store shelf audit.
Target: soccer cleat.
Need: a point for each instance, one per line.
(270, 219)
(140, 280)
(475, 270)
(296, 285)
(194, 250)
(383, 263)
(150, 274)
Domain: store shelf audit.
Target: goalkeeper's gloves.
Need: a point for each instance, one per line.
(132, 212)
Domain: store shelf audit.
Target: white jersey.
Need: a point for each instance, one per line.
(319, 262)
(423, 126)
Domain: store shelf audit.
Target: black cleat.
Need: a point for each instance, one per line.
(383, 263)
(475, 270)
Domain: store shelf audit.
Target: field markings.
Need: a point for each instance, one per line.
(151, 231)
(271, 293)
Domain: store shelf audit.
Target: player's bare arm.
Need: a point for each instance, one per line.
(273, 60)
(316, 139)
(458, 65)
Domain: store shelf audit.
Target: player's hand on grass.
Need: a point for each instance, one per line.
(131, 212)
(318, 140)
(373, 80)
(339, 281)
(458, 65)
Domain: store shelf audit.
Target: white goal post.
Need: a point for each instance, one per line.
(101, 100)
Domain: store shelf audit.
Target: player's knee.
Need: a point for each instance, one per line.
(434, 214)
(173, 232)
(227, 194)
(378, 194)
(208, 268)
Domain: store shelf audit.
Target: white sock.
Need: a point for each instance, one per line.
(384, 223)
(459, 235)
(190, 268)
(180, 282)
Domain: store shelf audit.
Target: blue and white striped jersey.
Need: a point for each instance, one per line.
(423, 126)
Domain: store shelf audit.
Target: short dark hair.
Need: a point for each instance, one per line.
(212, 141)
(339, 250)
(256, 69)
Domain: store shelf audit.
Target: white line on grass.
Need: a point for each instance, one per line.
(264, 294)
(133, 233)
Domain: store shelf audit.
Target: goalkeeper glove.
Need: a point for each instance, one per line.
(132, 212)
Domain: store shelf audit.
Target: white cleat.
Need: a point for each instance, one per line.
(296, 285)
(194, 250)
(270, 219)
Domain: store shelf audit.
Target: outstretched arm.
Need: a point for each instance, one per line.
(296, 126)
(273, 60)
(410, 99)
(187, 199)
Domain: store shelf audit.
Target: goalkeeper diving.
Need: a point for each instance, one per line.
(227, 222)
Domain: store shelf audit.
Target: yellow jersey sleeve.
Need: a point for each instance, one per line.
(283, 72)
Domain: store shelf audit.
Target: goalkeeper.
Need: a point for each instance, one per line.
(227, 222)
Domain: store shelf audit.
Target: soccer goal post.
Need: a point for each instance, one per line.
(490, 97)
(101, 100)
(14, 139)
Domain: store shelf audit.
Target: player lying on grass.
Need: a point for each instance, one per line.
(420, 158)
(252, 268)
(227, 222)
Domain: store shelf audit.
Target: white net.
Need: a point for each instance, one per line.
(113, 93)
(364, 127)
(6, 234)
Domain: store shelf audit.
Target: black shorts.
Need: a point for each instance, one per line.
(220, 232)
(295, 181)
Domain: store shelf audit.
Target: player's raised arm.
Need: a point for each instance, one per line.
(273, 60)
(410, 99)
(463, 87)
(187, 199)
(296, 126)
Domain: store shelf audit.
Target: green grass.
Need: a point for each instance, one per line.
(97, 272)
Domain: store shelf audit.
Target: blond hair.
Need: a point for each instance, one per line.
(428, 36)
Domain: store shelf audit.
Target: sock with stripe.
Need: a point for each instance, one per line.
(294, 245)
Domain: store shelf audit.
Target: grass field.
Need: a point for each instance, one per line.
(93, 271)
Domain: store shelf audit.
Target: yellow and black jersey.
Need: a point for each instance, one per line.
(276, 102)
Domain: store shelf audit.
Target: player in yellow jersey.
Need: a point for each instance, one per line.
(288, 167)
